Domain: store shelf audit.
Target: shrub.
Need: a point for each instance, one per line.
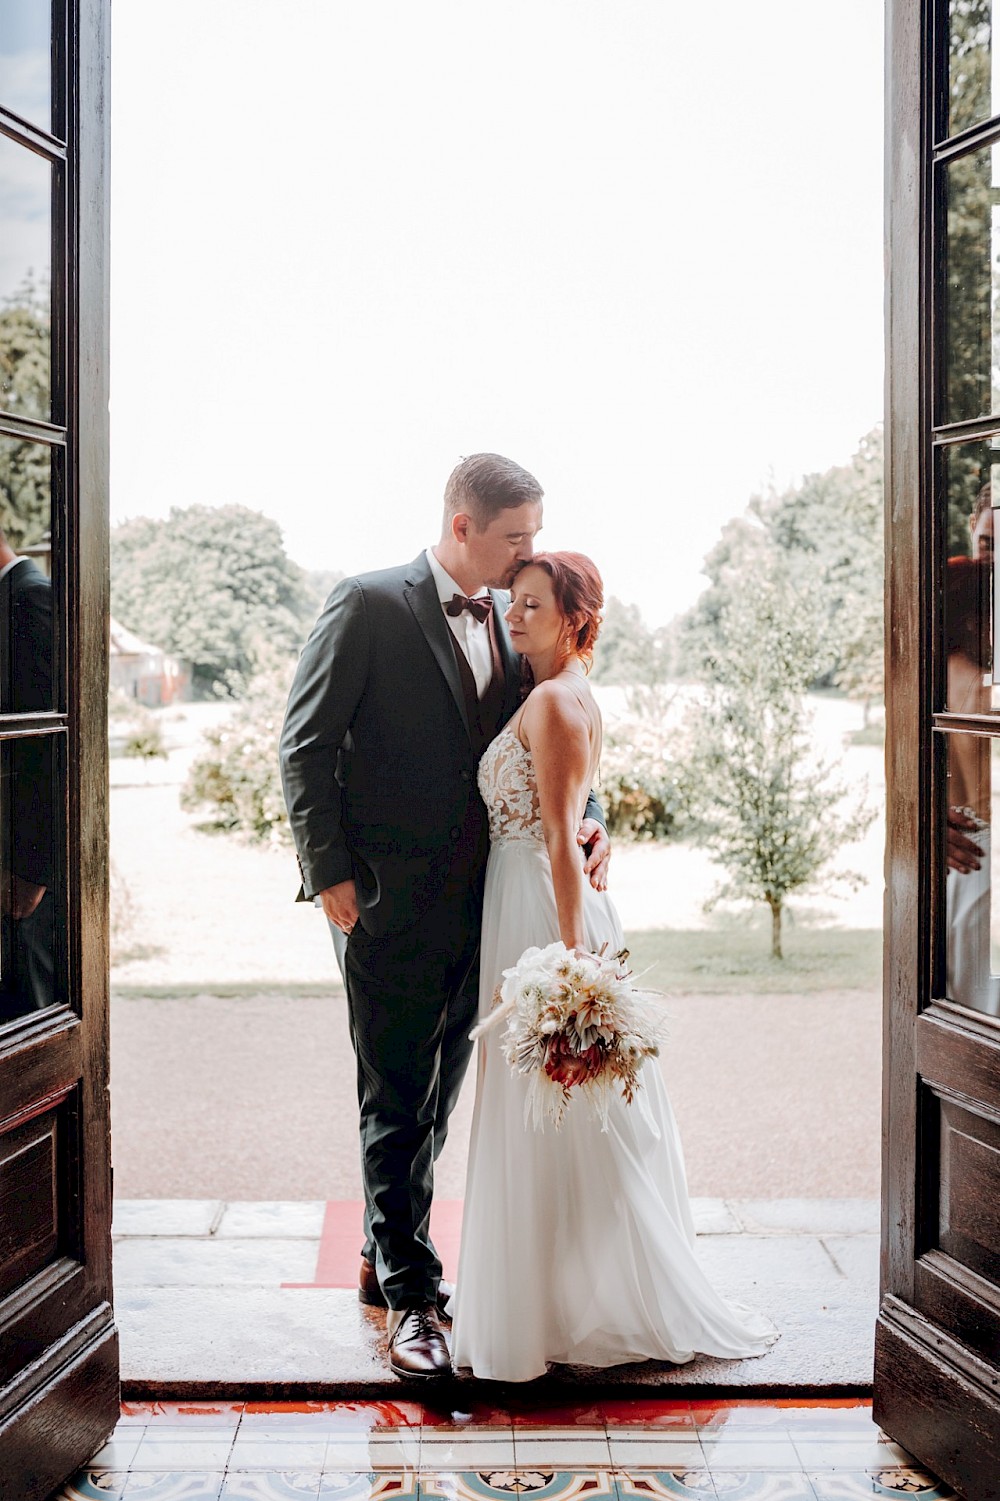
(236, 779)
(135, 730)
(644, 793)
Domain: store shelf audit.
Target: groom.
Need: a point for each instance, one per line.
(407, 676)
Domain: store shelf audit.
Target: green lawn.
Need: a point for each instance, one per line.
(231, 989)
(737, 958)
(729, 959)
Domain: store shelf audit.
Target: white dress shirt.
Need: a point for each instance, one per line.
(472, 635)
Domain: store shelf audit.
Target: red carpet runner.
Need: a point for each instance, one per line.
(342, 1237)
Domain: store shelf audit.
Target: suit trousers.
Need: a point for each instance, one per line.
(412, 999)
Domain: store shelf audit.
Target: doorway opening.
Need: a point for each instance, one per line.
(534, 282)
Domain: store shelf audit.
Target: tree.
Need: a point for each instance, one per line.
(25, 350)
(25, 389)
(744, 546)
(641, 661)
(768, 810)
(213, 585)
(622, 645)
(838, 520)
(970, 35)
(320, 582)
(829, 529)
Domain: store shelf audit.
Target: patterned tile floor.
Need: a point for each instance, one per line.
(621, 1450)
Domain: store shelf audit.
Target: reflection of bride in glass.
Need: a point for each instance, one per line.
(967, 631)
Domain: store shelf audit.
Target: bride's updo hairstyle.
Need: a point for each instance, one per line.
(579, 592)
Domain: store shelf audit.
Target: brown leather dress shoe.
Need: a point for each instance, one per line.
(371, 1293)
(417, 1346)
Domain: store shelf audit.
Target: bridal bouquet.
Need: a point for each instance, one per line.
(573, 1025)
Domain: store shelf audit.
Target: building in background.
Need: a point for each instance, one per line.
(146, 673)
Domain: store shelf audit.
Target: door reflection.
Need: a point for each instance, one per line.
(971, 979)
(29, 793)
(28, 894)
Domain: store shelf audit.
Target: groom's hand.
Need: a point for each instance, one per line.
(963, 854)
(594, 838)
(340, 903)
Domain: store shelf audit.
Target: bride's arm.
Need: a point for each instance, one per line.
(558, 736)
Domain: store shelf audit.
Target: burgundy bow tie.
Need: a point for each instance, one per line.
(479, 608)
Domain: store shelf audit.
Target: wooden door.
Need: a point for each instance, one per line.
(937, 1363)
(58, 1344)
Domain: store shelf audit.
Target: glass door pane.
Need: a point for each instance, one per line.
(972, 891)
(970, 483)
(28, 618)
(32, 906)
(25, 281)
(26, 60)
(971, 375)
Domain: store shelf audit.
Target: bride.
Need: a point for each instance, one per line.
(578, 1243)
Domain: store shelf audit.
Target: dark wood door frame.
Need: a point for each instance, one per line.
(935, 1392)
(59, 1395)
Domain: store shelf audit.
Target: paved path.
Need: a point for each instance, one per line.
(253, 1098)
(213, 1297)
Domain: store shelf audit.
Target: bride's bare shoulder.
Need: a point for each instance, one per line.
(556, 706)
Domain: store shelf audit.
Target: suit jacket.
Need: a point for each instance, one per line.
(378, 759)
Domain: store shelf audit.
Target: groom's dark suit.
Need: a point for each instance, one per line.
(379, 752)
(379, 755)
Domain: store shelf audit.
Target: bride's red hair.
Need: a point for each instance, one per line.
(579, 592)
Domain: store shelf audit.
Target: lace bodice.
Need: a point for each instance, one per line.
(509, 790)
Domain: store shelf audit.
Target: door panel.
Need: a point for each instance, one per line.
(959, 1301)
(938, 1401)
(937, 1353)
(29, 1200)
(58, 1343)
(52, 1429)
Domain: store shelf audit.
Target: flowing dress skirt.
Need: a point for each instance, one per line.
(577, 1244)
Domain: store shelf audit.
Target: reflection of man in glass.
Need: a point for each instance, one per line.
(967, 638)
(26, 901)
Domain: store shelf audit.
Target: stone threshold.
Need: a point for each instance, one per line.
(240, 1300)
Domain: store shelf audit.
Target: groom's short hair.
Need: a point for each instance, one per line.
(484, 484)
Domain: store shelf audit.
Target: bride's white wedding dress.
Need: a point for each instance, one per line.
(577, 1244)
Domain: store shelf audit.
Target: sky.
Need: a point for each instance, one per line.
(635, 246)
